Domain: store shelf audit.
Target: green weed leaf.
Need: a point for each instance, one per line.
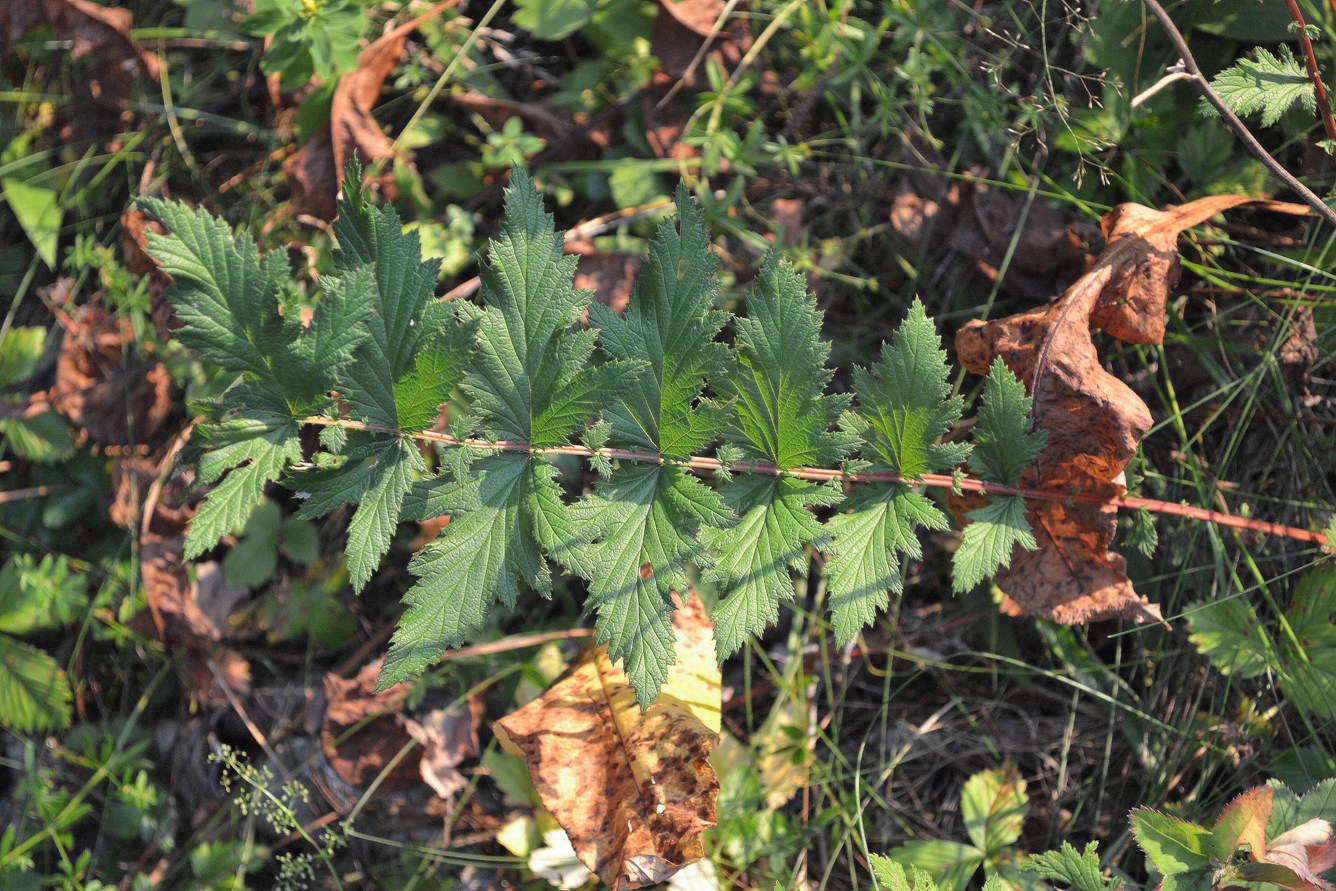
(1265, 83)
(1078, 869)
(532, 382)
(1004, 443)
(1174, 846)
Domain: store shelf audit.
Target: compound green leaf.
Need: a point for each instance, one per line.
(781, 417)
(483, 555)
(1308, 677)
(34, 695)
(988, 541)
(867, 542)
(753, 558)
(256, 450)
(903, 407)
(645, 522)
(639, 531)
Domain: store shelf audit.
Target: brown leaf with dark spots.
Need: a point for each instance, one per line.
(314, 171)
(634, 791)
(1094, 421)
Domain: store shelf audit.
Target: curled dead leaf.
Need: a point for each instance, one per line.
(1094, 421)
(634, 791)
(314, 170)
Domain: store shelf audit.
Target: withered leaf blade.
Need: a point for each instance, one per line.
(1094, 421)
(314, 171)
(634, 791)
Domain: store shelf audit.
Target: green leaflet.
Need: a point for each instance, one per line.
(1004, 445)
(780, 416)
(994, 531)
(1265, 83)
(902, 412)
(864, 566)
(645, 522)
(531, 381)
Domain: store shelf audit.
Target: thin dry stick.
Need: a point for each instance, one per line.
(825, 474)
(1181, 47)
(1319, 92)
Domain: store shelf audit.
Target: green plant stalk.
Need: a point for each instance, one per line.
(823, 474)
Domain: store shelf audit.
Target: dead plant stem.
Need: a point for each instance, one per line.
(1203, 85)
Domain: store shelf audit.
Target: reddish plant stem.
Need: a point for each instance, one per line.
(1319, 92)
(824, 474)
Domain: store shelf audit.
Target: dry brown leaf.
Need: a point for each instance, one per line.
(448, 737)
(315, 169)
(1094, 421)
(362, 734)
(99, 33)
(609, 276)
(634, 791)
(117, 399)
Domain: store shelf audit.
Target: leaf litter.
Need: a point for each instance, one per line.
(1094, 421)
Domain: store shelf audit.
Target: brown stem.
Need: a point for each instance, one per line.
(1319, 92)
(825, 474)
(1181, 47)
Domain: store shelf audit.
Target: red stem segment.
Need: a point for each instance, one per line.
(1319, 92)
(823, 474)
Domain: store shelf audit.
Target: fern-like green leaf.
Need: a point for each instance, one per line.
(902, 412)
(646, 522)
(240, 314)
(987, 542)
(531, 381)
(34, 695)
(782, 418)
(1264, 83)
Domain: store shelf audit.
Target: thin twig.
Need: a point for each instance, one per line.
(1319, 91)
(826, 474)
(1181, 47)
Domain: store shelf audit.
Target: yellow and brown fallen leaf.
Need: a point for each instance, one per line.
(633, 790)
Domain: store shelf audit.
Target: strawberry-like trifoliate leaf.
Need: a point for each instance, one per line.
(646, 522)
(781, 417)
(531, 381)
(902, 412)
